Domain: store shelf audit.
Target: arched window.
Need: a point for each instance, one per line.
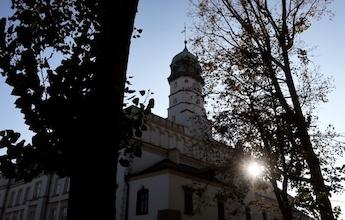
(142, 201)
(188, 200)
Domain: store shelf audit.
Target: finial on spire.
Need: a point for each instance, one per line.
(185, 36)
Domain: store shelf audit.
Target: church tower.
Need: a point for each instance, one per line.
(186, 102)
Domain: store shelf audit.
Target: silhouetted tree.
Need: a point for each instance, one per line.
(269, 89)
(66, 62)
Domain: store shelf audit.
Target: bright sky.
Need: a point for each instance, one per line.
(150, 57)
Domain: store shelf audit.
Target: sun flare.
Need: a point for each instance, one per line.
(254, 169)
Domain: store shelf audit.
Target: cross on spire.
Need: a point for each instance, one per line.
(185, 35)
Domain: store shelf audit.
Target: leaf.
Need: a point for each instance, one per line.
(150, 105)
(136, 101)
(138, 133)
(14, 137)
(142, 92)
(124, 162)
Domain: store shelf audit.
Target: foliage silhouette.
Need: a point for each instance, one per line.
(265, 90)
(73, 106)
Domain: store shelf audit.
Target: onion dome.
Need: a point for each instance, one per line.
(185, 64)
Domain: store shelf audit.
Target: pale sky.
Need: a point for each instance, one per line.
(150, 56)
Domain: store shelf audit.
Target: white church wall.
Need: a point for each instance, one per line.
(205, 207)
(158, 187)
(147, 159)
(121, 192)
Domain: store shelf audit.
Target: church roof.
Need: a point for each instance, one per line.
(185, 64)
(205, 173)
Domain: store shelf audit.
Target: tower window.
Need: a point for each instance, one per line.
(142, 201)
(186, 80)
(198, 101)
(175, 101)
(175, 84)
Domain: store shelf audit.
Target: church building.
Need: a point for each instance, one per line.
(168, 182)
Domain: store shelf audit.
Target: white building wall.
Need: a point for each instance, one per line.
(205, 207)
(33, 200)
(146, 160)
(158, 187)
(121, 192)
(185, 94)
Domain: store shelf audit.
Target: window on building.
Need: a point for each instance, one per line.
(21, 214)
(19, 196)
(14, 216)
(63, 213)
(175, 101)
(221, 210)
(26, 194)
(7, 216)
(31, 213)
(188, 201)
(37, 189)
(173, 118)
(142, 201)
(186, 80)
(11, 199)
(198, 101)
(57, 186)
(175, 84)
(248, 214)
(52, 213)
(66, 185)
(264, 215)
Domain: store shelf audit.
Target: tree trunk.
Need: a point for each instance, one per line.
(93, 185)
(283, 201)
(319, 187)
(96, 143)
(321, 192)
